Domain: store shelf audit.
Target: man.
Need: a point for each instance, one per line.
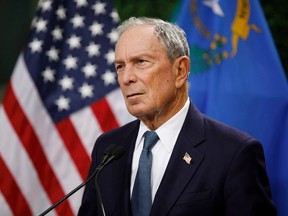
(200, 167)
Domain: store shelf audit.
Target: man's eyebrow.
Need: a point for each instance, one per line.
(135, 57)
(118, 61)
(141, 55)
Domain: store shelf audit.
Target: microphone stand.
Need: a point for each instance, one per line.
(69, 194)
(117, 153)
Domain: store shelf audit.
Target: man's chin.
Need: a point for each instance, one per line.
(136, 111)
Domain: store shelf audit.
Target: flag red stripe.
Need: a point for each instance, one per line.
(12, 192)
(104, 115)
(74, 146)
(33, 147)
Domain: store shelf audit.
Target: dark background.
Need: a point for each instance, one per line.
(16, 16)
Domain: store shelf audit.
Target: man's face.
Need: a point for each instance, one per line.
(145, 74)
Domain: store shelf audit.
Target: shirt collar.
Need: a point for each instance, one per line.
(169, 131)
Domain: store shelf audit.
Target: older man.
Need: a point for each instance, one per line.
(178, 161)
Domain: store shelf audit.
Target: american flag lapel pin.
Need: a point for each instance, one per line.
(187, 158)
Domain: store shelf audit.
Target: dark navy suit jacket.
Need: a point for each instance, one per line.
(226, 176)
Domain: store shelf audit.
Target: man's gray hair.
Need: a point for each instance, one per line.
(171, 36)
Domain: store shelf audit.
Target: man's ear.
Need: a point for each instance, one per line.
(182, 67)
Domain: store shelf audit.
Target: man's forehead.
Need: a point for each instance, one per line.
(140, 31)
(137, 37)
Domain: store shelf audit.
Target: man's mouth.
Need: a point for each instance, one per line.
(133, 95)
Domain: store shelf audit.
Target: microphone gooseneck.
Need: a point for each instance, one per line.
(111, 153)
(116, 153)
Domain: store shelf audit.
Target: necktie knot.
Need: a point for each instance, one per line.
(150, 140)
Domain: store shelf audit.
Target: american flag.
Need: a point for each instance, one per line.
(62, 95)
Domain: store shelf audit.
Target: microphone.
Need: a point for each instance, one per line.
(115, 154)
(111, 153)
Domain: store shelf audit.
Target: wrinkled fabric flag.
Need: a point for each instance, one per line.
(62, 95)
(236, 77)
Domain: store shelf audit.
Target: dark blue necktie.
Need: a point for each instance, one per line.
(141, 195)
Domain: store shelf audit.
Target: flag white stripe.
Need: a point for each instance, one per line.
(52, 144)
(5, 209)
(87, 127)
(118, 107)
(24, 174)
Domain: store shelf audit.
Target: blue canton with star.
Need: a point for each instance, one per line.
(70, 53)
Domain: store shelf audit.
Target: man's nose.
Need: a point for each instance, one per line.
(129, 75)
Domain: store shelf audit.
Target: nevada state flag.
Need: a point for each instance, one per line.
(236, 77)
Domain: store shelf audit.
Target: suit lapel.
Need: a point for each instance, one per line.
(124, 169)
(178, 172)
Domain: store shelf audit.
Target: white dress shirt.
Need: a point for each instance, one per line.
(162, 150)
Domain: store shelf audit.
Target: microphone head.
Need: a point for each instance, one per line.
(118, 152)
(109, 150)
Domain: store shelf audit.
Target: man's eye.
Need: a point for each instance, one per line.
(119, 67)
(141, 61)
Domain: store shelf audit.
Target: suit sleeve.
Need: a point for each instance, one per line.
(247, 190)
